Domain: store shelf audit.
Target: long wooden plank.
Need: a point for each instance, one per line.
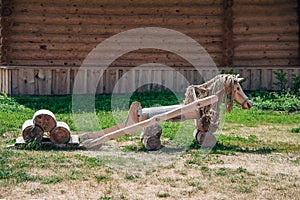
(119, 62)
(114, 9)
(77, 3)
(150, 20)
(267, 37)
(266, 62)
(44, 47)
(267, 54)
(109, 29)
(264, 2)
(261, 46)
(265, 18)
(265, 28)
(265, 9)
(94, 39)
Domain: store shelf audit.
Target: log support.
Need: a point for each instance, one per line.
(150, 137)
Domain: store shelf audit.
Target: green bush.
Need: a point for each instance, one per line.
(277, 101)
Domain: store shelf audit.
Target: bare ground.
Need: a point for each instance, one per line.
(171, 174)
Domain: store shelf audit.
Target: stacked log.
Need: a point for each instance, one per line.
(60, 134)
(30, 132)
(44, 121)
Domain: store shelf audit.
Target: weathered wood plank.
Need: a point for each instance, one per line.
(271, 37)
(112, 29)
(94, 39)
(44, 77)
(267, 54)
(74, 4)
(266, 78)
(265, 28)
(115, 9)
(266, 62)
(107, 19)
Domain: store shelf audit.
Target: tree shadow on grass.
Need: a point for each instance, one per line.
(221, 148)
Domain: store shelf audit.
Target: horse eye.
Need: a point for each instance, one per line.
(238, 88)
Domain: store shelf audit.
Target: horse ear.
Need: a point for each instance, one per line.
(240, 79)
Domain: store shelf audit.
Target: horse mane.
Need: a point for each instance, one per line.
(222, 86)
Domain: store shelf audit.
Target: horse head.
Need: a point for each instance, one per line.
(238, 94)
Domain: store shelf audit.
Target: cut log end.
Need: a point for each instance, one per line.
(206, 139)
(60, 134)
(151, 137)
(45, 119)
(152, 143)
(32, 133)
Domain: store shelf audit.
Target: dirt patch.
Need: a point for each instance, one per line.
(172, 173)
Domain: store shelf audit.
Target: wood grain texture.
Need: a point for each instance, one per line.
(45, 42)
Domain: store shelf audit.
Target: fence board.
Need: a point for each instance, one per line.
(44, 77)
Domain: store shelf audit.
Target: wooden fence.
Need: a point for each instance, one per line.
(43, 42)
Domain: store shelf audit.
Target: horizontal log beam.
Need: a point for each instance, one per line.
(265, 29)
(267, 37)
(109, 2)
(106, 19)
(259, 54)
(266, 62)
(107, 29)
(261, 46)
(115, 9)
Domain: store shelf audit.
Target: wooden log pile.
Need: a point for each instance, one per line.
(43, 122)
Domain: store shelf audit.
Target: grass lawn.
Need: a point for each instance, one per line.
(257, 155)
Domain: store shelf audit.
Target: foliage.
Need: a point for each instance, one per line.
(229, 71)
(282, 80)
(276, 101)
(296, 83)
(295, 130)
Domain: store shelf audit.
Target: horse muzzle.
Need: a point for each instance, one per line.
(247, 104)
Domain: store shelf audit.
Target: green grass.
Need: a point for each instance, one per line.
(269, 108)
(49, 166)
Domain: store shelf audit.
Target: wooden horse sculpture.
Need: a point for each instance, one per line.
(202, 103)
(226, 87)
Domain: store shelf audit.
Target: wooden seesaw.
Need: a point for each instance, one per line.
(139, 118)
(202, 103)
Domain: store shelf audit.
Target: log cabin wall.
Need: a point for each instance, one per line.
(266, 39)
(44, 42)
